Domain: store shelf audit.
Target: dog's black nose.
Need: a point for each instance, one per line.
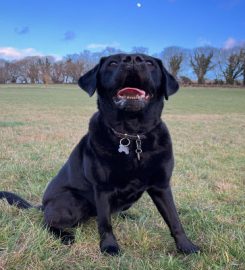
(133, 59)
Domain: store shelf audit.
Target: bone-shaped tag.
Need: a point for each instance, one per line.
(123, 149)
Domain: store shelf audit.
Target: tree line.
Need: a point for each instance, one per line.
(199, 65)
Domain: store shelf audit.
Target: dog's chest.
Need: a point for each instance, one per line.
(122, 198)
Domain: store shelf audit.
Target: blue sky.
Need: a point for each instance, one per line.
(60, 27)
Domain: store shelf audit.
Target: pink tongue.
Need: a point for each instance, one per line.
(128, 91)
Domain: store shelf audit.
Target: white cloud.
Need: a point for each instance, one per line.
(57, 57)
(101, 46)
(11, 53)
(230, 43)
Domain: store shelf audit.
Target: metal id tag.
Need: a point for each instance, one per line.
(123, 146)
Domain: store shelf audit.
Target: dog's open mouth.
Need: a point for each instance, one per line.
(131, 99)
(132, 93)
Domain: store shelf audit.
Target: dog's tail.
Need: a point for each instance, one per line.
(16, 200)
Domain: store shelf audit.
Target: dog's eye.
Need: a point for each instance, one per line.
(113, 63)
(149, 62)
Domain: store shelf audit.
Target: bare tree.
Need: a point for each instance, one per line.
(2, 75)
(86, 57)
(21, 71)
(27, 69)
(201, 63)
(233, 68)
(175, 64)
(33, 72)
(73, 70)
(3, 72)
(173, 57)
(33, 69)
(58, 72)
(45, 70)
(12, 71)
(242, 55)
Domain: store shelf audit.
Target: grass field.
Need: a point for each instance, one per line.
(39, 127)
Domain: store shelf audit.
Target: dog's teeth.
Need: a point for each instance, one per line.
(135, 97)
(132, 97)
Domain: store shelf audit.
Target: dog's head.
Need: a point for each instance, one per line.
(129, 81)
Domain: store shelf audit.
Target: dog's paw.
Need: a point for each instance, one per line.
(109, 246)
(187, 247)
(67, 239)
(110, 249)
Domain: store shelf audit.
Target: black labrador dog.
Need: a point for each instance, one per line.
(127, 151)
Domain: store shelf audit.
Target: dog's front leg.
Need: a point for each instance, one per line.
(163, 199)
(108, 242)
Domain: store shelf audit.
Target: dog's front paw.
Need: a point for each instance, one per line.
(110, 246)
(187, 247)
(110, 249)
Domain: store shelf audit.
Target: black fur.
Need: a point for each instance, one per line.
(97, 180)
(16, 200)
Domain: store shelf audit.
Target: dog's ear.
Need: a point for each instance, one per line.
(88, 82)
(170, 84)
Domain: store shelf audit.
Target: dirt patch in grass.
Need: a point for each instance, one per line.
(223, 186)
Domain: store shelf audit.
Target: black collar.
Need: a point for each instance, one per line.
(125, 140)
(129, 136)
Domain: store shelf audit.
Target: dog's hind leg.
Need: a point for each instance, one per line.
(63, 212)
(66, 237)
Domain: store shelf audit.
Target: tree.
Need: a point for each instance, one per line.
(174, 58)
(58, 72)
(3, 73)
(28, 69)
(242, 55)
(73, 70)
(233, 68)
(86, 57)
(33, 72)
(12, 71)
(15, 71)
(174, 64)
(33, 68)
(201, 63)
(45, 69)
(21, 71)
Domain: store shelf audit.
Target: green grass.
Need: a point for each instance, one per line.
(39, 126)
(11, 124)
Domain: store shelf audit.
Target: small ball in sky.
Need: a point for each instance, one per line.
(138, 5)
